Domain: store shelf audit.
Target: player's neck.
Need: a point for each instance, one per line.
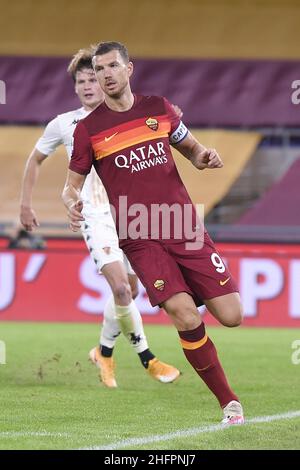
(122, 103)
(91, 107)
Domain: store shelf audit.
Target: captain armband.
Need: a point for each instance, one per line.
(179, 134)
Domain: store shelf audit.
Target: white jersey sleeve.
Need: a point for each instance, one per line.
(60, 131)
(51, 138)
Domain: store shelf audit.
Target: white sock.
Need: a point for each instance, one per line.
(110, 327)
(131, 325)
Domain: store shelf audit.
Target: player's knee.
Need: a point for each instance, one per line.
(122, 292)
(186, 317)
(233, 317)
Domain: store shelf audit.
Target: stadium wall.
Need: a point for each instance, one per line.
(211, 93)
(61, 285)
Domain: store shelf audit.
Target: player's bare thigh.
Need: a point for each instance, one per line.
(227, 309)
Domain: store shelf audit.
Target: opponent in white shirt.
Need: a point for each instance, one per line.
(98, 229)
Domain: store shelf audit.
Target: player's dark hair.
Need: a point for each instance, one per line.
(108, 46)
(81, 60)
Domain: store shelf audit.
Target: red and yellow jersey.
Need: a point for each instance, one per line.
(131, 153)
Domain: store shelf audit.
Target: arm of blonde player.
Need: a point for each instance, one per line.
(71, 199)
(31, 172)
(200, 156)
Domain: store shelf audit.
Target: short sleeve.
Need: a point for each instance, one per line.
(50, 139)
(83, 154)
(178, 130)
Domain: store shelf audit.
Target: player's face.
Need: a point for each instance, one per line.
(88, 89)
(112, 73)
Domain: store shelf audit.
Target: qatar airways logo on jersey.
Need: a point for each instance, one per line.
(143, 157)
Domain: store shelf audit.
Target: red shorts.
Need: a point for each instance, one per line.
(166, 268)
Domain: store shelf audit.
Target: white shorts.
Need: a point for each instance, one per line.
(99, 233)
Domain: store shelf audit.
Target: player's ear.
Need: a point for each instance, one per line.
(130, 68)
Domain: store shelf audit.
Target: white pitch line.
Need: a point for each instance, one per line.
(32, 434)
(136, 441)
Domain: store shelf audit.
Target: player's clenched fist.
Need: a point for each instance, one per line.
(210, 158)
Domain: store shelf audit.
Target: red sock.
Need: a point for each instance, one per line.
(202, 355)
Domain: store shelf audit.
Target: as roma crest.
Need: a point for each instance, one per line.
(152, 123)
(159, 284)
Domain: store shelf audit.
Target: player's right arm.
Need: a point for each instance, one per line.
(71, 199)
(31, 173)
(46, 145)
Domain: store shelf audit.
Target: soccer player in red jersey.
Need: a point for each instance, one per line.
(127, 140)
(99, 232)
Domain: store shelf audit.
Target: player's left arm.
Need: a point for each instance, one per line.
(181, 139)
(200, 156)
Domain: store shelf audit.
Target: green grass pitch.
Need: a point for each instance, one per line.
(51, 397)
